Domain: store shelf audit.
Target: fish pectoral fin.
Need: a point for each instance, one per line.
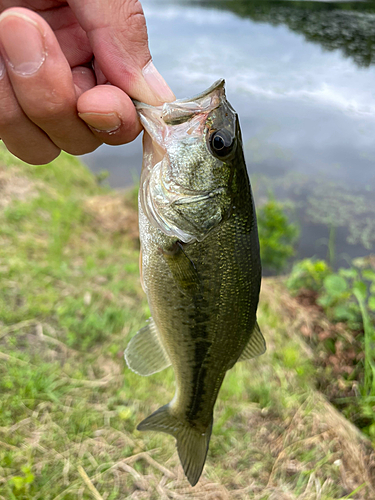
(256, 345)
(192, 445)
(183, 269)
(145, 353)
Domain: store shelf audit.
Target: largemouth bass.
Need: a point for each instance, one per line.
(200, 263)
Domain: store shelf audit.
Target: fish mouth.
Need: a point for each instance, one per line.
(216, 87)
(181, 110)
(219, 85)
(181, 118)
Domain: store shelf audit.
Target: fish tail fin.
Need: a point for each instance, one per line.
(192, 445)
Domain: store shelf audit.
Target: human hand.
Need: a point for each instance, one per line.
(51, 98)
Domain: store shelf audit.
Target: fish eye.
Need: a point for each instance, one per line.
(221, 143)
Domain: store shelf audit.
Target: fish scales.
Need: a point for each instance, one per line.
(200, 263)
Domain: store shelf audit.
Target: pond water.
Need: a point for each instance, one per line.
(301, 75)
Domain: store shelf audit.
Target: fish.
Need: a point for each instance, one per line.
(199, 260)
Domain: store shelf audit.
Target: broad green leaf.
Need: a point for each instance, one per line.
(348, 273)
(335, 285)
(342, 313)
(325, 300)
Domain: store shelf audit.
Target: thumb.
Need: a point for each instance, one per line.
(118, 36)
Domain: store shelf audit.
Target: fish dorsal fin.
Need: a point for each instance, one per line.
(256, 345)
(145, 353)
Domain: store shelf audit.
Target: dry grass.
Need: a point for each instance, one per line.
(114, 212)
(15, 186)
(309, 440)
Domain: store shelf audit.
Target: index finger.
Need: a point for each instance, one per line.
(118, 35)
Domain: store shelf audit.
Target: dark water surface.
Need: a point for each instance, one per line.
(302, 77)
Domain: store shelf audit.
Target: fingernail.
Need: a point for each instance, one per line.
(102, 122)
(2, 67)
(157, 83)
(22, 43)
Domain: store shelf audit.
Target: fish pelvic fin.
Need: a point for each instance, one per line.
(192, 445)
(145, 354)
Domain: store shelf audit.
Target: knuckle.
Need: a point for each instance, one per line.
(136, 28)
(133, 22)
(10, 114)
(46, 99)
(132, 8)
(50, 108)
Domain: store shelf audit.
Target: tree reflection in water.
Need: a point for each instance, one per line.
(349, 27)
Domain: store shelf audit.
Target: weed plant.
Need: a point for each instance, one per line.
(347, 296)
(277, 235)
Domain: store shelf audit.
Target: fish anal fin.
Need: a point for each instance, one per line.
(182, 268)
(256, 345)
(145, 353)
(192, 445)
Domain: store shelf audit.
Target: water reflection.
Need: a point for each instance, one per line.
(349, 27)
(300, 75)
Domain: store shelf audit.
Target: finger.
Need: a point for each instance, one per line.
(110, 114)
(118, 36)
(22, 137)
(42, 80)
(83, 79)
(38, 4)
(100, 77)
(71, 37)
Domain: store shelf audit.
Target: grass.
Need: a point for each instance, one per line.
(70, 299)
(369, 337)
